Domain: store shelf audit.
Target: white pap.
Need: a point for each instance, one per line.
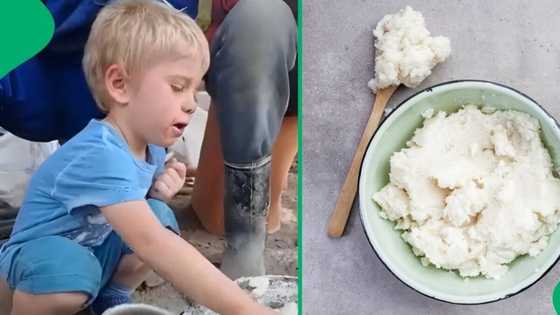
(405, 51)
(472, 191)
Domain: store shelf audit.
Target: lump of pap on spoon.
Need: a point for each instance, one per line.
(405, 51)
(472, 191)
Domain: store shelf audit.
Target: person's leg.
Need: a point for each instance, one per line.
(126, 273)
(131, 271)
(285, 147)
(252, 53)
(52, 275)
(207, 198)
(283, 153)
(208, 194)
(117, 265)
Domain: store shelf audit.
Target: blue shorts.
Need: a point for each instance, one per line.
(55, 264)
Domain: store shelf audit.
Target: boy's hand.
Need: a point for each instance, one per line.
(170, 181)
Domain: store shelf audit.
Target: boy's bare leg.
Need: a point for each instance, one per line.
(48, 304)
(5, 298)
(208, 193)
(283, 153)
(131, 272)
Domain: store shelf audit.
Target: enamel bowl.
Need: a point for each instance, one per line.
(136, 309)
(392, 250)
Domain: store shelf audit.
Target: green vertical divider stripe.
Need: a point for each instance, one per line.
(300, 156)
(556, 298)
(26, 26)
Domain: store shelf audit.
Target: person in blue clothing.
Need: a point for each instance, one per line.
(253, 83)
(94, 221)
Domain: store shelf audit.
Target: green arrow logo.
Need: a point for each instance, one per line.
(556, 298)
(26, 26)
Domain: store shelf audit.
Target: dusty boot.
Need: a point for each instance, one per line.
(246, 200)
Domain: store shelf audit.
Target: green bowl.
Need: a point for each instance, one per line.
(392, 250)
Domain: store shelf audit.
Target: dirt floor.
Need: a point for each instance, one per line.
(280, 252)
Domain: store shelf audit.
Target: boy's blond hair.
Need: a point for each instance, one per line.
(134, 34)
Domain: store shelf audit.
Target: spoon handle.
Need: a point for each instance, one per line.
(339, 216)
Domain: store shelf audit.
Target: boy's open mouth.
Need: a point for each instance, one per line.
(178, 128)
(180, 125)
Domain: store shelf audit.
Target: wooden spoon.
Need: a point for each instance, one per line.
(339, 216)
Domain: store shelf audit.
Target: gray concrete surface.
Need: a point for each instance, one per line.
(512, 42)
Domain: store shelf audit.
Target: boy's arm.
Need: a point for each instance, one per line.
(177, 261)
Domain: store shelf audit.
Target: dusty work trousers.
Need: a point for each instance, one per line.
(252, 54)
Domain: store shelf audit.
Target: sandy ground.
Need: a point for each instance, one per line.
(280, 252)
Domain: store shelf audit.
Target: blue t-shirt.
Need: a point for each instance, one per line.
(93, 169)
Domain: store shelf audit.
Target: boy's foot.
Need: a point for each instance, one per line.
(101, 304)
(111, 295)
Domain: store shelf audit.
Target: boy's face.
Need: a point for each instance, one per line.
(163, 99)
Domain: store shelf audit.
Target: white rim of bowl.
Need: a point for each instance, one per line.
(135, 307)
(363, 199)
